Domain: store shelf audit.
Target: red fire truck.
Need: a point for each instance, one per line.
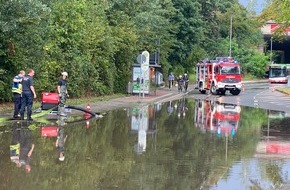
(219, 76)
(215, 117)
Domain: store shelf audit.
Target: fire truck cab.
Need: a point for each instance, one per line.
(219, 76)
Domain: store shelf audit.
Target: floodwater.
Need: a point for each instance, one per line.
(185, 144)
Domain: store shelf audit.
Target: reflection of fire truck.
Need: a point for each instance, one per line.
(222, 119)
(275, 142)
(219, 76)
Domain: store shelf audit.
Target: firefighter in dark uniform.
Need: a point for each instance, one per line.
(186, 80)
(28, 93)
(17, 91)
(62, 91)
(180, 83)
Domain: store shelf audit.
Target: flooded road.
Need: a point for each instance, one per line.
(183, 144)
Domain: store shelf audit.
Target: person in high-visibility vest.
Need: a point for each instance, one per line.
(62, 91)
(17, 93)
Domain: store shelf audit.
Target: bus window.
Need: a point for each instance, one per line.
(278, 72)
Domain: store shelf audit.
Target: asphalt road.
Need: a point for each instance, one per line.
(262, 95)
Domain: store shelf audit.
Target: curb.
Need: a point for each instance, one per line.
(255, 81)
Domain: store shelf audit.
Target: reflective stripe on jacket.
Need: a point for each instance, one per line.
(17, 86)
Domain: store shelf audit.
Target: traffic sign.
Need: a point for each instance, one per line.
(141, 58)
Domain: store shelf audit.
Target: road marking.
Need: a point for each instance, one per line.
(273, 98)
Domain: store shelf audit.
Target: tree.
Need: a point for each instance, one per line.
(189, 29)
(21, 38)
(279, 12)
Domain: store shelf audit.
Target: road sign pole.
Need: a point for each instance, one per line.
(140, 80)
(143, 85)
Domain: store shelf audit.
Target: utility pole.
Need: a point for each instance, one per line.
(271, 50)
(231, 31)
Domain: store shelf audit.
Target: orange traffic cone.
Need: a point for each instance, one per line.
(88, 108)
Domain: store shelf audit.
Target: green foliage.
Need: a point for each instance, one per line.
(22, 34)
(178, 70)
(195, 56)
(189, 31)
(255, 65)
(97, 42)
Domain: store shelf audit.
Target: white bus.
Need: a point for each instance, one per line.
(278, 73)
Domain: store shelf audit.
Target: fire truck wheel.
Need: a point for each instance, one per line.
(213, 89)
(202, 91)
(235, 92)
(222, 92)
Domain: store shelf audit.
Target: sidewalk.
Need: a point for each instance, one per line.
(165, 94)
(161, 95)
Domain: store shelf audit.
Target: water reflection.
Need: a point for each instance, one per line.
(140, 124)
(56, 131)
(21, 147)
(269, 168)
(275, 142)
(61, 139)
(183, 144)
(143, 122)
(15, 144)
(222, 119)
(182, 108)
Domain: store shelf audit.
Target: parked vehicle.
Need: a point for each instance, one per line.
(219, 76)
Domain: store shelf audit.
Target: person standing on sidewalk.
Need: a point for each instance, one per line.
(62, 92)
(17, 91)
(186, 80)
(180, 83)
(171, 80)
(28, 93)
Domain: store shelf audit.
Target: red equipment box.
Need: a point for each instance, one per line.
(49, 100)
(49, 131)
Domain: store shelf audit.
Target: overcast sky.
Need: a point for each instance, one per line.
(259, 7)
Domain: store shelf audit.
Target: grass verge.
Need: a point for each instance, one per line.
(284, 90)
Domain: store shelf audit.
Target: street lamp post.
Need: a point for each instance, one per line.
(271, 49)
(231, 33)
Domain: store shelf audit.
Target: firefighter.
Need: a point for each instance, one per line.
(28, 94)
(62, 92)
(17, 92)
(180, 83)
(186, 80)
